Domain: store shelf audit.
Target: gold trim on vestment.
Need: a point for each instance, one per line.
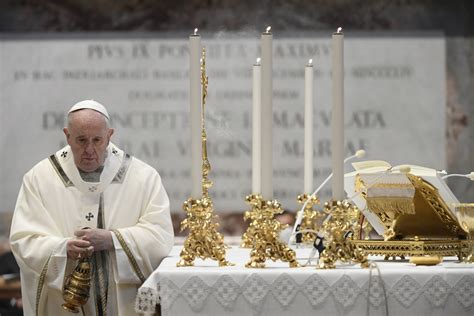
(101, 268)
(41, 284)
(60, 171)
(131, 258)
(120, 176)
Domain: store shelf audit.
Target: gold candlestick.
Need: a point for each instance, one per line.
(265, 233)
(203, 240)
(338, 230)
(256, 203)
(311, 219)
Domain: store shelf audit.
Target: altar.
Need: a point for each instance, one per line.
(386, 288)
(410, 206)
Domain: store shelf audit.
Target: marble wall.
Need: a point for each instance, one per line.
(453, 18)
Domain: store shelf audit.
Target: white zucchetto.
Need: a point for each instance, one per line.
(90, 104)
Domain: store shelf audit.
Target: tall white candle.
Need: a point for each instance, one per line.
(267, 115)
(337, 118)
(308, 128)
(195, 113)
(256, 129)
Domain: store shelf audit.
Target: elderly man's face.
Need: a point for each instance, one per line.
(88, 135)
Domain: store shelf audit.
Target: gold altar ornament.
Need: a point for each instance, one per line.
(203, 240)
(465, 213)
(366, 227)
(265, 233)
(256, 203)
(426, 260)
(311, 219)
(412, 207)
(77, 286)
(338, 230)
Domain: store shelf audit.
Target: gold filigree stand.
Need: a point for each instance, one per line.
(311, 221)
(203, 240)
(416, 247)
(338, 230)
(420, 224)
(263, 234)
(256, 203)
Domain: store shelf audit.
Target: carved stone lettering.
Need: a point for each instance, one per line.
(394, 105)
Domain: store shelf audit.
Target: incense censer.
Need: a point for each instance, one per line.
(77, 286)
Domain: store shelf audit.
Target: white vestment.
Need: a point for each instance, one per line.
(54, 202)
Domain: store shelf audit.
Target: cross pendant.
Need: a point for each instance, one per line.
(89, 216)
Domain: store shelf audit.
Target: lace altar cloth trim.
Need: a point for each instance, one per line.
(345, 292)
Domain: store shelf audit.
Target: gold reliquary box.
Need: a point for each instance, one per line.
(411, 207)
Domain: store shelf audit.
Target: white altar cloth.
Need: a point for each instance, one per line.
(399, 287)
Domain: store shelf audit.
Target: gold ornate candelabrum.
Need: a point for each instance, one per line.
(310, 223)
(77, 286)
(339, 229)
(203, 240)
(264, 234)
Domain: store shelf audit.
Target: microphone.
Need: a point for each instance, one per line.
(299, 217)
(467, 175)
(404, 169)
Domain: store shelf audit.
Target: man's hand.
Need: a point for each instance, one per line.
(99, 239)
(77, 248)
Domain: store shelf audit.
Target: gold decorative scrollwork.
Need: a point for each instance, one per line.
(311, 218)
(338, 231)
(265, 233)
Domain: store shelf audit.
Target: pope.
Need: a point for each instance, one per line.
(89, 199)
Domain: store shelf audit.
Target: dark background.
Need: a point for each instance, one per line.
(452, 17)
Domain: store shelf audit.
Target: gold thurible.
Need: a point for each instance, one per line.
(77, 286)
(203, 240)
